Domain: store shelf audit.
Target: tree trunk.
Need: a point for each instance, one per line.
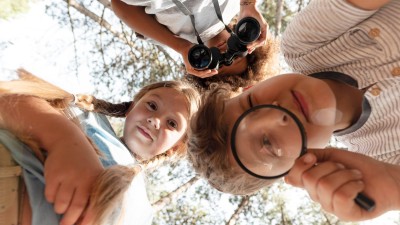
(103, 23)
(278, 16)
(235, 215)
(160, 204)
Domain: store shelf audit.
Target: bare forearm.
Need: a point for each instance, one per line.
(368, 4)
(34, 118)
(137, 19)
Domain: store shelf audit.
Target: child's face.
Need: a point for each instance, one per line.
(156, 123)
(310, 99)
(238, 65)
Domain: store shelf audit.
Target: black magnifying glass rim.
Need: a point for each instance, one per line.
(241, 117)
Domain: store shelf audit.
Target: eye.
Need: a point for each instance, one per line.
(266, 143)
(173, 124)
(152, 106)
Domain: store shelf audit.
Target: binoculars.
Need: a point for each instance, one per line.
(201, 57)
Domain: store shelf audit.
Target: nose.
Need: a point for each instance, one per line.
(281, 117)
(154, 122)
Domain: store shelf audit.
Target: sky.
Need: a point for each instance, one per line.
(37, 43)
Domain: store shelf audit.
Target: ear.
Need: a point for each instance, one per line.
(171, 151)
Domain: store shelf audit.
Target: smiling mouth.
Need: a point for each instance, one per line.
(221, 44)
(145, 132)
(302, 105)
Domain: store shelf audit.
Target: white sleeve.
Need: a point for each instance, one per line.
(152, 6)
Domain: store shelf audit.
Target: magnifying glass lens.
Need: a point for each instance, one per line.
(267, 141)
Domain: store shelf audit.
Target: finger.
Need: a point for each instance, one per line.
(203, 73)
(63, 198)
(251, 49)
(263, 36)
(50, 190)
(301, 165)
(76, 208)
(313, 176)
(331, 154)
(343, 200)
(88, 217)
(330, 184)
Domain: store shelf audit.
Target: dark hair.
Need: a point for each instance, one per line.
(261, 64)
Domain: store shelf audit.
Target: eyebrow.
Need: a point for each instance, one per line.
(175, 115)
(156, 95)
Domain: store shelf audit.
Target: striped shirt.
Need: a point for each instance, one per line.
(336, 36)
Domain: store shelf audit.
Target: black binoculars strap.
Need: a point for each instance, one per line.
(187, 12)
(219, 14)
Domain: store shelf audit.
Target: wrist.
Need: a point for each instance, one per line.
(183, 47)
(247, 7)
(245, 3)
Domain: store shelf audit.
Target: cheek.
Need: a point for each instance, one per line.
(318, 137)
(165, 141)
(129, 121)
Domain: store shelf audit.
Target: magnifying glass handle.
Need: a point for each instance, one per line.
(364, 202)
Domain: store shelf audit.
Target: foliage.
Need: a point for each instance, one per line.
(120, 63)
(11, 8)
(272, 13)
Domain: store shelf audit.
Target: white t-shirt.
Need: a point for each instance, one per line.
(207, 23)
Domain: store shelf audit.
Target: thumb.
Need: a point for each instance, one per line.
(334, 154)
(301, 165)
(323, 155)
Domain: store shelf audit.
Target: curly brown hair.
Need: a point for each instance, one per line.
(262, 63)
(207, 146)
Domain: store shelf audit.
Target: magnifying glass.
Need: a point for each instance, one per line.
(267, 139)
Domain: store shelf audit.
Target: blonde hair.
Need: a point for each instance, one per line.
(113, 182)
(90, 103)
(207, 146)
(261, 64)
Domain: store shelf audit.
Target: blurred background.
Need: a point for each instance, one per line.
(82, 47)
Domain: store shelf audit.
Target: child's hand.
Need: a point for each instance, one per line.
(199, 73)
(250, 10)
(70, 170)
(334, 182)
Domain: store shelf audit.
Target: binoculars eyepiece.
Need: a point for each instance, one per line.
(201, 57)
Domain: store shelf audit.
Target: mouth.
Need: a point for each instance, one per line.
(301, 104)
(221, 45)
(145, 132)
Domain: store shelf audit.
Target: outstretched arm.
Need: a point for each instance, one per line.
(137, 19)
(72, 164)
(340, 175)
(368, 4)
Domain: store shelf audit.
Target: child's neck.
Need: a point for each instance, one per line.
(349, 102)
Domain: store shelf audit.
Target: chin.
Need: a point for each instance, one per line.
(319, 142)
